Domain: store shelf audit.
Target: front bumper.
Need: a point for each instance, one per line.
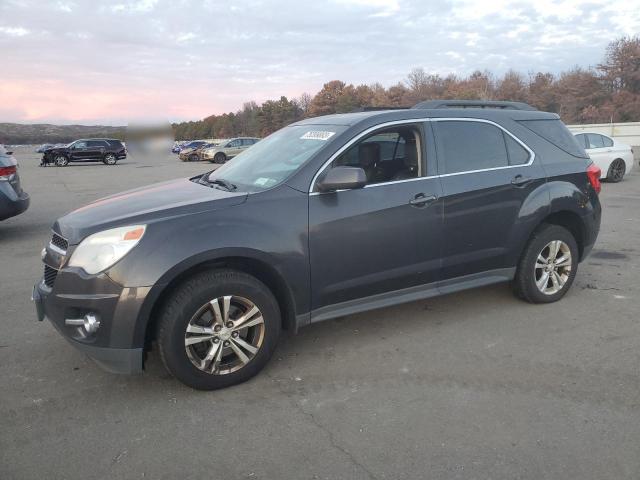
(113, 346)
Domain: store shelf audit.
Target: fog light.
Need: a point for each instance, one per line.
(90, 323)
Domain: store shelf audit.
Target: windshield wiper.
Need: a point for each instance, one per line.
(223, 183)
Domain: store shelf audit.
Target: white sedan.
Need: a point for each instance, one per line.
(614, 158)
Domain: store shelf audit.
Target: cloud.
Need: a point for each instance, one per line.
(102, 61)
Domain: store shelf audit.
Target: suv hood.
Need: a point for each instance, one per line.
(144, 205)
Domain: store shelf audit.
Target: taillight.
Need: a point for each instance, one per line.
(6, 172)
(593, 173)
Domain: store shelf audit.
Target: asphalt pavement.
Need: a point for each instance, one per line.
(473, 385)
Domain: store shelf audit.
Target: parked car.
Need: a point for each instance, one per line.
(318, 221)
(176, 148)
(13, 199)
(194, 154)
(192, 144)
(614, 158)
(106, 150)
(228, 149)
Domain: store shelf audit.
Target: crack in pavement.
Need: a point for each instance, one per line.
(322, 427)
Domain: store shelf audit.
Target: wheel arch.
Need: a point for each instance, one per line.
(250, 264)
(569, 220)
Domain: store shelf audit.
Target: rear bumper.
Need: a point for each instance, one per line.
(12, 204)
(112, 347)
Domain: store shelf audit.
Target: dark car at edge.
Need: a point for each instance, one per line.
(13, 199)
(105, 150)
(327, 217)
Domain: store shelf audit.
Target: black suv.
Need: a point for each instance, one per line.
(106, 150)
(327, 217)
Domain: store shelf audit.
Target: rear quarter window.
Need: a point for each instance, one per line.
(555, 132)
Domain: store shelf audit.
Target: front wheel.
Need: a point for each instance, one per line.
(220, 158)
(194, 158)
(616, 172)
(548, 265)
(110, 159)
(61, 161)
(218, 329)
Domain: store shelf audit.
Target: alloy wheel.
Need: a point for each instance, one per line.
(110, 159)
(617, 170)
(224, 335)
(553, 267)
(61, 161)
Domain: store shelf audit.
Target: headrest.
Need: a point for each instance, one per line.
(368, 154)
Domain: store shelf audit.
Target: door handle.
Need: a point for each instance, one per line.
(422, 200)
(521, 181)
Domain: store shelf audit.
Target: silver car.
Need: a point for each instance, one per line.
(228, 149)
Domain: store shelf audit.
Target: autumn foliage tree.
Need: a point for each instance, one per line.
(609, 92)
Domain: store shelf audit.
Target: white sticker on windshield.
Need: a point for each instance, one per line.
(261, 182)
(317, 135)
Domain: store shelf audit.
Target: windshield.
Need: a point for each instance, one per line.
(272, 160)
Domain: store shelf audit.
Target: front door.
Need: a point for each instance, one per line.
(78, 150)
(384, 237)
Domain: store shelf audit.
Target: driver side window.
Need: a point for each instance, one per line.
(388, 155)
(79, 145)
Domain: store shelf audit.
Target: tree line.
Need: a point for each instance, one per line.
(608, 92)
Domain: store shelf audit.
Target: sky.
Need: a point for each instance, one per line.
(119, 61)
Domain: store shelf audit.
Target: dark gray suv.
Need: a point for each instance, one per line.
(327, 217)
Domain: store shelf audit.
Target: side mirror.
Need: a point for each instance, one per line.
(8, 152)
(342, 178)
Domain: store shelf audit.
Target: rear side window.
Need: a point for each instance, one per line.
(595, 141)
(468, 146)
(518, 155)
(555, 132)
(607, 141)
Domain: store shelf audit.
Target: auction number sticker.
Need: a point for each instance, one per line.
(317, 135)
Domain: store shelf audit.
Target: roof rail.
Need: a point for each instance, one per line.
(436, 104)
(376, 109)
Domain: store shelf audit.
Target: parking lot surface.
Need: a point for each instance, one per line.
(473, 385)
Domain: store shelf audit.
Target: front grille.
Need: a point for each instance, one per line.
(50, 275)
(59, 242)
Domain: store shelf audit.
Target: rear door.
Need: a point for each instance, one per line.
(95, 149)
(486, 175)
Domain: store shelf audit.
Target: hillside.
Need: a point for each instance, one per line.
(20, 134)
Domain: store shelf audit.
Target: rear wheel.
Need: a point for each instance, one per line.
(220, 158)
(61, 161)
(548, 265)
(110, 159)
(616, 172)
(219, 328)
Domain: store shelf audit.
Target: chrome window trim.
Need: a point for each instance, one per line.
(532, 154)
(354, 140)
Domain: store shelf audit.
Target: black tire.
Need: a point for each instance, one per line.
(188, 299)
(61, 161)
(110, 159)
(219, 158)
(194, 158)
(616, 171)
(526, 275)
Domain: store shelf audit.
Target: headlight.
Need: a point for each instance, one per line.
(99, 251)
